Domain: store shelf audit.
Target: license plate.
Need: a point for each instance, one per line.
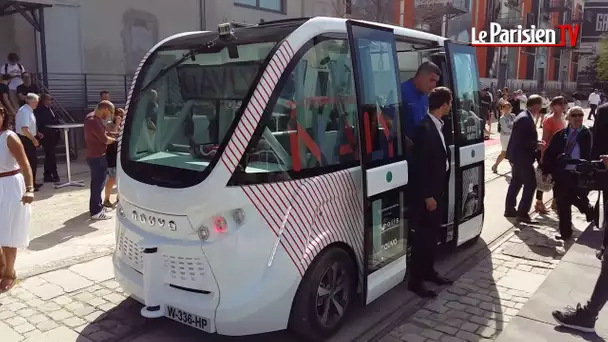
(187, 318)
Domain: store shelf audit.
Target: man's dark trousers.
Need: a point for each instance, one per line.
(566, 195)
(523, 176)
(49, 144)
(424, 245)
(30, 152)
(99, 169)
(592, 111)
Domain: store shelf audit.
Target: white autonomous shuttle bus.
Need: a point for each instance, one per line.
(263, 172)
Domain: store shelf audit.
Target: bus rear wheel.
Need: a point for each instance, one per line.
(325, 295)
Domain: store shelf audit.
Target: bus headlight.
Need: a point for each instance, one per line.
(203, 233)
(121, 211)
(239, 216)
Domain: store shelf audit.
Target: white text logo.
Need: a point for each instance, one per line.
(562, 36)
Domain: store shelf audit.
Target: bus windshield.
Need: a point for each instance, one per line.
(175, 127)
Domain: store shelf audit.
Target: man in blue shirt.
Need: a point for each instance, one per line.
(414, 93)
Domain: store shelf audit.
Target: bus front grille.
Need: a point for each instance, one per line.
(183, 267)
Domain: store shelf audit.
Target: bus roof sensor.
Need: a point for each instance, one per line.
(225, 29)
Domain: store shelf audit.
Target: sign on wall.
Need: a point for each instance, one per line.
(595, 24)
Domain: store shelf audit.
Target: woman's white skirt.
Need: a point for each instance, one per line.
(14, 215)
(504, 141)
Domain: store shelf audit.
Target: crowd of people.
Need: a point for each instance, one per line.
(533, 159)
(26, 120)
(564, 139)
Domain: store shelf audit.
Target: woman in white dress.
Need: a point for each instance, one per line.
(506, 125)
(16, 192)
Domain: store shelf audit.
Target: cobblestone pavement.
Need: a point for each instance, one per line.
(482, 302)
(81, 303)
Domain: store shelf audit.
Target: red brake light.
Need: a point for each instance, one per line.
(219, 224)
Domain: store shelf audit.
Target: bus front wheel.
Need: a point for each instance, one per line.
(325, 295)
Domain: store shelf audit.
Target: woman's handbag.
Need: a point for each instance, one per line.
(544, 182)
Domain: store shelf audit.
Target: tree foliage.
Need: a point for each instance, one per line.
(601, 61)
(382, 11)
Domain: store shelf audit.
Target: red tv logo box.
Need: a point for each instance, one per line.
(564, 35)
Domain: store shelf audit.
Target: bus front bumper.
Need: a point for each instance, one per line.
(172, 281)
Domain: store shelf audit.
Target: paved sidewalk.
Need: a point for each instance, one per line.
(570, 283)
(481, 303)
(61, 233)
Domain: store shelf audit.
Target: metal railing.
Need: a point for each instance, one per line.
(74, 95)
(79, 92)
(552, 88)
(557, 5)
(510, 21)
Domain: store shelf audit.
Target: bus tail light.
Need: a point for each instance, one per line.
(220, 224)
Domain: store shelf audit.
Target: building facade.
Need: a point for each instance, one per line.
(595, 27)
(532, 68)
(111, 36)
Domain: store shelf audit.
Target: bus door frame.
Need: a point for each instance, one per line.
(383, 180)
(468, 155)
(449, 226)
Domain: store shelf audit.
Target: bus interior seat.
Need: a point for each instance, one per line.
(201, 129)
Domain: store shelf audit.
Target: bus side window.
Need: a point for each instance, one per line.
(313, 124)
(444, 81)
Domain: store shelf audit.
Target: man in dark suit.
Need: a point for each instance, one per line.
(573, 142)
(50, 136)
(430, 171)
(522, 152)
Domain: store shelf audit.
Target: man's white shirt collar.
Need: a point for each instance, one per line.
(436, 121)
(439, 126)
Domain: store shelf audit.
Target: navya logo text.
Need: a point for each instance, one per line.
(564, 35)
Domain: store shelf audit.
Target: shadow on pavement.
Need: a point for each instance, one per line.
(585, 336)
(539, 243)
(72, 228)
(122, 321)
(125, 323)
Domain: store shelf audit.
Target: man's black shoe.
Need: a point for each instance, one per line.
(578, 318)
(49, 179)
(564, 237)
(37, 187)
(439, 280)
(525, 219)
(56, 178)
(592, 215)
(422, 291)
(510, 213)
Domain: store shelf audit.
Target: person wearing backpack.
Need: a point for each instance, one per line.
(15, 72)
(27, 87)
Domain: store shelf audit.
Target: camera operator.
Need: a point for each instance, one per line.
(572, 143)
(600, 144)
(583, 318)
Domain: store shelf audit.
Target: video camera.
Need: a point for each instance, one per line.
(590, 174)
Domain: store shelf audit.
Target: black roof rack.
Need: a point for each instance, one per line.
(283, 21)
(241, 25)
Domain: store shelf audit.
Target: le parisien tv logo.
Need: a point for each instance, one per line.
(562, 36)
